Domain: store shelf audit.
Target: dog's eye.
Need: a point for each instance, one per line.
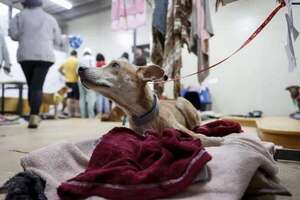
(115, 65)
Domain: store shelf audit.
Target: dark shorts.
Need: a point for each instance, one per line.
(74, 93)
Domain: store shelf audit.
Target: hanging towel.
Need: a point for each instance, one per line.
(202, 31)
(293, 34)
(128, 14)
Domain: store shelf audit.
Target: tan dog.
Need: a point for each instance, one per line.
(53, 99)
(126, 85)
(115, 115)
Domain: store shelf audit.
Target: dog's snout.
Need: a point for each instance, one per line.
(81, 69)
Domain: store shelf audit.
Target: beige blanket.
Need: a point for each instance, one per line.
(243, 165)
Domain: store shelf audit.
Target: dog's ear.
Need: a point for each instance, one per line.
(150, 73)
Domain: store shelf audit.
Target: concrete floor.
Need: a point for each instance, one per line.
(19, 138)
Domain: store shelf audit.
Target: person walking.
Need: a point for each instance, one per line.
(87, 100)
(4, 55)
(68, 70)
(103, 104)
(37, 33)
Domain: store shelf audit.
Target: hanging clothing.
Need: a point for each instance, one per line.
(202, 31)
(171, 30)
(293, 34)
(160, 15)
(159, 26)
(177, 34)
(223, 3)
(128, 14)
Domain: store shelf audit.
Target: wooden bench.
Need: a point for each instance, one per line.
(282, 131)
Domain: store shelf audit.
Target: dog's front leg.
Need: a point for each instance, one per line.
(206, 141)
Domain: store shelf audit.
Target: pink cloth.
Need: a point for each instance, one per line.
(128, 14)
(201, 30)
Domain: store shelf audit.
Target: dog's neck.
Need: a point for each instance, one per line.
(148, 116)
(144, 104)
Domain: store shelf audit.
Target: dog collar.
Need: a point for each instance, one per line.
(148, 116)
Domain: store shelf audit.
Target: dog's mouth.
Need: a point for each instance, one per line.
(91, 84)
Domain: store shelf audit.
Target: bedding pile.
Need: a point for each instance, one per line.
(124, 165)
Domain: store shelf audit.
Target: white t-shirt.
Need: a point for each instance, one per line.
(87, 61)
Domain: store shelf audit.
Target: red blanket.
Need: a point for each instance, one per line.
(219, 128)
(128, 166)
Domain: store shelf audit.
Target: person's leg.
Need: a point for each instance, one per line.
(70, 99)
(40, 71)
(82, 100)
(91, 101)
(99, 99)
(76, 100)
(106, 105)
(69, 106)
(27, 67)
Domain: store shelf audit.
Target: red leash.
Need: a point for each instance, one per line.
(256, 32)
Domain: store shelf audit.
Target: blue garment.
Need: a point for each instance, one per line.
(204, 95)
(87, 102)
(102, 104)
(160, 15)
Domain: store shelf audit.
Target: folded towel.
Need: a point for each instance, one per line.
(129, 166)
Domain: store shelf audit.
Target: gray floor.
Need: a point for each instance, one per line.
(18, 138)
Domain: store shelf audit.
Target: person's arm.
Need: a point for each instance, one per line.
(61, 70)
(14, 28)
(5, 53)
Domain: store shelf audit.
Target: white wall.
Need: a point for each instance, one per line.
(256, 78)
(97, 34)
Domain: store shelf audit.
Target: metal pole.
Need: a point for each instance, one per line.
(134, 40)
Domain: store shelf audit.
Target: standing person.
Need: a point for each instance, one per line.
(87, 97)
(102, 103)
(125, 56)
(37, 32)
(140, 57)
(4, 55)
(68, 69)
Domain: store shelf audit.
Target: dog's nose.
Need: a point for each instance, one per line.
(81, 69)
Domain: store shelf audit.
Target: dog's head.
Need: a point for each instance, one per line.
(64, 90)
(120, 80)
